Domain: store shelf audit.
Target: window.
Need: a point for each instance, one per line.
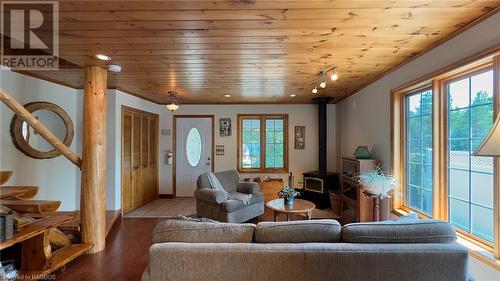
(418, 112)
(263, 143)
(470, 178)
(437, 124)
(193, 147)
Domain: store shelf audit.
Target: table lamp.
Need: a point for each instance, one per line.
(491, 144)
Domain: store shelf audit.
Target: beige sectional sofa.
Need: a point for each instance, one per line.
(306, 250)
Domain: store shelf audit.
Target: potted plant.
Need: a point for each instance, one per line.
(289, 194)
(377, 182)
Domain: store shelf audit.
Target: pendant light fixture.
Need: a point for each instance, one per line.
(174, 103)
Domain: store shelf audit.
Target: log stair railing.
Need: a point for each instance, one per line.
(44, 246)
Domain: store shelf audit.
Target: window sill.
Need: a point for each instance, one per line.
(479, 252)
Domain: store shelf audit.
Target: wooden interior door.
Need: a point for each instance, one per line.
(144, 188)
(153, 158)
(127, 162)
(136, 161)
(139, 158)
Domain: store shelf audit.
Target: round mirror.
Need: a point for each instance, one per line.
(30, 142)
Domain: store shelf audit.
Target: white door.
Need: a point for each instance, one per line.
(194, 152)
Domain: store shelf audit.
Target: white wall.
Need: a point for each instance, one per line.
(56, 177)
(364, 118)
(60, 180)
(299, 115)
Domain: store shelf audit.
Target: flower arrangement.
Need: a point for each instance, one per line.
(288, 193)
(377, 182)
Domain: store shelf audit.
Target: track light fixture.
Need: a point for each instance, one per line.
(334, 76)
(322, 77)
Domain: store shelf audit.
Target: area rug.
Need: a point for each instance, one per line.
(171, 208)
(165, 208)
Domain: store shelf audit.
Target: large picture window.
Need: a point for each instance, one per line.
(263, 143)
(470, 178)
(438, 122)
(418, 112)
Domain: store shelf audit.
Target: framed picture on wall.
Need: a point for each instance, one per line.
(300, 137)
(219, 150)
(225, 129)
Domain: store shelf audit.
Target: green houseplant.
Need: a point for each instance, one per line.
(289, 194)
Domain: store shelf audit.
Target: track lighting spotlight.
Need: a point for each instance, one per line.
(315, 90)
(334, 76)
(323, 84)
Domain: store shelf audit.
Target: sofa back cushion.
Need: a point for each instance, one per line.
(229, 180)
(305, 231)
(202, 232)
(404, 231)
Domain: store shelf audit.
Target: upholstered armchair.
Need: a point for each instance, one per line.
(214, 204)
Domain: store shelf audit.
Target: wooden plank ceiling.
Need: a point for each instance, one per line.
(257, 51)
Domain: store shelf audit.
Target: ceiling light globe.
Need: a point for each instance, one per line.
(172, 107)
(334, 76)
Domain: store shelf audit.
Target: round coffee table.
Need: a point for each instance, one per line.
(300, 206)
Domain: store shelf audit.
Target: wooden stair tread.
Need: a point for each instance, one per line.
(5, 176)
(32, 206)
(59, 259)
(35, 228)
(18, 192)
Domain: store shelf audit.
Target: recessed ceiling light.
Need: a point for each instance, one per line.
(102, 57)
(293, 95)
(227, 96)
(114, 68)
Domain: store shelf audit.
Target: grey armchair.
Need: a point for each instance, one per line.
(214, 204)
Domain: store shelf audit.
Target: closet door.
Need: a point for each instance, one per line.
(136, 161)
(153, 158)
(127, 205)
(144, 187)
(139, 158)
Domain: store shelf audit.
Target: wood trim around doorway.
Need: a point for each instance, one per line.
(174, 147)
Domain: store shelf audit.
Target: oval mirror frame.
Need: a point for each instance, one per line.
(17, 134)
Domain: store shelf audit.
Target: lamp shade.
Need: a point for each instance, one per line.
(491, 144)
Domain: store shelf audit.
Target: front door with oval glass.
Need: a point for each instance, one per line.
(194, 152)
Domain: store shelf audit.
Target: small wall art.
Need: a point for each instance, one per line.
(300, 137)
(225, 129)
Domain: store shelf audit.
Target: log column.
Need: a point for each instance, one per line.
(93, 191)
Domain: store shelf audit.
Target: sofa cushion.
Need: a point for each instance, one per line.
(305, 231)
(234, 205)
(202, 232)
(415, 231)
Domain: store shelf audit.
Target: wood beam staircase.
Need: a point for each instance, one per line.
(45, 247)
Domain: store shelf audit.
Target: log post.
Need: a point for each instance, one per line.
(93, 191)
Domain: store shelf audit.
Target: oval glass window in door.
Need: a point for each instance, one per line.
(193, 147)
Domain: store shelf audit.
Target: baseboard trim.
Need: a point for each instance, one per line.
(169, 196)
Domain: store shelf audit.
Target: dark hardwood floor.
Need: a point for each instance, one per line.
(125, 257)
(127, 252)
